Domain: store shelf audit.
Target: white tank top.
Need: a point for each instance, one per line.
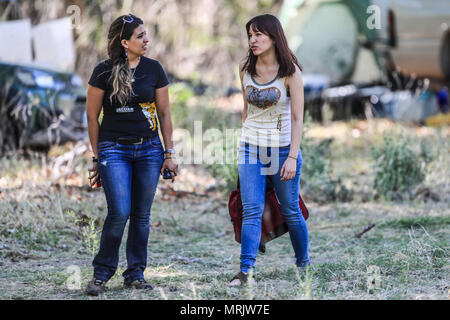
(268, 122)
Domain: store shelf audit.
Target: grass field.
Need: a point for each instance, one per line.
(49, 233)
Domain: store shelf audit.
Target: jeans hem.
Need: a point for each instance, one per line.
(106, 279)
(247, 269)
(303, 264)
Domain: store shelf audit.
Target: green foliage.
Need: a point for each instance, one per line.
(426, 152)
(422, 221)
(179, 95)
(225, 173)
(316, 175)
(88, 231)
(186, 107)
(304, 283)
(397, 168)
(32, 238)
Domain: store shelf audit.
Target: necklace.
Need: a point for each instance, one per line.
(132, 75)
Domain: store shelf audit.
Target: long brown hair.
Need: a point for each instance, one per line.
(271, 26)
(121, 73)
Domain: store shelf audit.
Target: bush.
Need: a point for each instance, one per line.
(186, 108)
(397, 168)
(180, 94)
(316, 176)
(226, 174)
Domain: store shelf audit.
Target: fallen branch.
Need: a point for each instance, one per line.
(427, 193)
(370, 226)
(331, 226)
(63, 165)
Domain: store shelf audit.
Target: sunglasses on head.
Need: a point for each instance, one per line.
(126, 19)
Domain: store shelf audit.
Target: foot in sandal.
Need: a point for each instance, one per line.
(241, 279)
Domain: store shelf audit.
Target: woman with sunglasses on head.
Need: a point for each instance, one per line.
(272, 88)
(128, 154)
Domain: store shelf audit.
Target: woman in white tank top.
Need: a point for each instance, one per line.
(272, 124)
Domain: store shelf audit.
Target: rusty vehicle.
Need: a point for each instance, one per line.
(364, 50)
(39, 107)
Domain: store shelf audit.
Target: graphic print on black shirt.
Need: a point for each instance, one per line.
(138, 117)
(149, 110)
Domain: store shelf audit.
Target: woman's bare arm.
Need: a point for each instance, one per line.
(244, 111)
(94, 102)
(295, 85)
(165, 119)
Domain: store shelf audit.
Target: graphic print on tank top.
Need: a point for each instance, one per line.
(268, 121)
(262, 98)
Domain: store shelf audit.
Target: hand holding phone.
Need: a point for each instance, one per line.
(166, 174)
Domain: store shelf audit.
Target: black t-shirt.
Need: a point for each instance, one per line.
(138, 117)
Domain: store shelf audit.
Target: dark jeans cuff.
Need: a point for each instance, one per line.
(135, 275)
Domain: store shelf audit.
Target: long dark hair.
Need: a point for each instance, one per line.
(121, 73)
(271, 26)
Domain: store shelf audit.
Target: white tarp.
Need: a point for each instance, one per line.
(15, 39)
(53, 44)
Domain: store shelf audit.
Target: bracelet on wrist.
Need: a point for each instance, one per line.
(292, 157)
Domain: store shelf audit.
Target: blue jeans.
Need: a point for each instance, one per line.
(255, 165)
(129, 175)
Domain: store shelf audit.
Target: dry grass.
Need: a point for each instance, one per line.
(50, 226)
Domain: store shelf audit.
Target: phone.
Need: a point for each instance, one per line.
(97, 185)
(166, 174)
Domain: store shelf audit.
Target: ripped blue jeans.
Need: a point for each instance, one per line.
(129, 175)
(255, 165)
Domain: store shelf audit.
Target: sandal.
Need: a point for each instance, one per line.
(243, 279)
